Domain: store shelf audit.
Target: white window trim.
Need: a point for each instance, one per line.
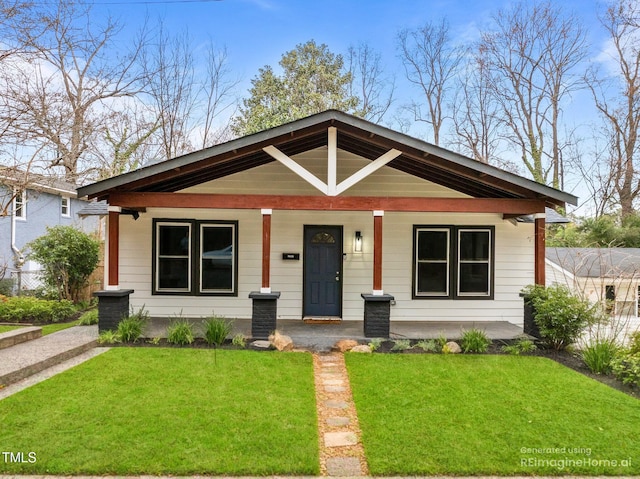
(433, 294)
(159, 256)
(68, 206)
(460, 262)
(23, 205)
(233, 257)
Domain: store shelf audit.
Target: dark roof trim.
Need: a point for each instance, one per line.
(102, 188)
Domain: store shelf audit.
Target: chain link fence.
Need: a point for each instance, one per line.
(24, 281)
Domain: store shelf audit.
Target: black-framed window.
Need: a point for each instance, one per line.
(453, 262)
(195, 257)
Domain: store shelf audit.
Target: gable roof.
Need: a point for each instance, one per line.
(597, 262)
(355, 135)
(21, 179)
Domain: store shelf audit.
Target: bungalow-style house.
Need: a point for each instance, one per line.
(329, 216)
(610, 276)
(30, 203)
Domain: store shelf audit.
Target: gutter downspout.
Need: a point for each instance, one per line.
(18, 260)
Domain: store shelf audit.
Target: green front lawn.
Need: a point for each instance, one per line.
(473, 415)
(168, 411)
(6, 329)
(55, 327)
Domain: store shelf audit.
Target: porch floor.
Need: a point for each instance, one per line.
(321, 337)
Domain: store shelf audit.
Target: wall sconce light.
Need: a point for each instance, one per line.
(357, 245)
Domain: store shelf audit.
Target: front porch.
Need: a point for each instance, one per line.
(321, 337)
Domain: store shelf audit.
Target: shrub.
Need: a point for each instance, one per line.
(26, 309)
(634, 343)
(108, 337)
(474, 341)
(375, 344)
(68, 257)
(441, 341)
(88, 318)
(239, 340)
(429, 346)
(180, 332)
(521, 345)
(6, 286)
(626, 367)
(599, 354)
(216, 330)
(560, 315)
(401, 345)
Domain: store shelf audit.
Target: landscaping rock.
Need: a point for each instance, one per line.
(281, 342)
(452, 347)
(344, 467)
(345, 345)
(261, 344)
(361, 348)
(340, 439)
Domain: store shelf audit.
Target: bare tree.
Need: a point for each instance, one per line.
(218, 90)
(618, 100)
(70, 72)
(532, 54)
(124, 141)
(169, 68)
(475, 114)
(431, 62)
(369, 82)
(185, 103)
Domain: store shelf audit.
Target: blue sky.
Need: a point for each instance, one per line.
(257, 32)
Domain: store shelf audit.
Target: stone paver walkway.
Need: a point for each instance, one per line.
(341, 451)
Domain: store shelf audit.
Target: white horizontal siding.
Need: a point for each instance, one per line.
(514, 255)
(275, 178)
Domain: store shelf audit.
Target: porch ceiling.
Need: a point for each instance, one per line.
(354, 135)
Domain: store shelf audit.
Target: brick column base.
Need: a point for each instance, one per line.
(112, 307)
(263, 314)
(377, 313)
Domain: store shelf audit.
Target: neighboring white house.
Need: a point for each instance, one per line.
(322, 211)
(610, 276)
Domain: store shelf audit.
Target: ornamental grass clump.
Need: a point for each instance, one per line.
(180, 332)
(599, 354)
(474, 341)
(130, 329)
(216, 330)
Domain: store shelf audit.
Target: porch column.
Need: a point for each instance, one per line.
(113, 248)
(264, 310)
(377, 305)
(113, 302)
(377, 253)
(539, 235)
(266, 251)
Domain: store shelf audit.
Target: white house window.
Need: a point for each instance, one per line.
(432, 267)
(195, 257)
(65, 207)
(173, 257)
(217, 253)
(610, 298)
(20, 204)
(453, 262)
(474, 262)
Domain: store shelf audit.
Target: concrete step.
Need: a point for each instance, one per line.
(21, 335)
(25, 359)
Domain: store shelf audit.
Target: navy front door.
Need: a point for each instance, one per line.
(322, 271)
